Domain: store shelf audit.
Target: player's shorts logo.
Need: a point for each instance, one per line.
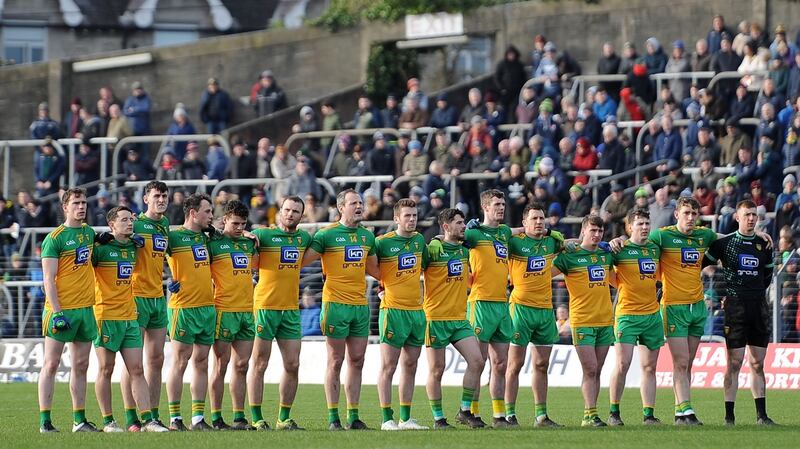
(747, 262)
(289, 254)
(124, 270)
(353, 253)
(647, 266)
(455, 268)
(159, 243)
(690, 255)
(596, 273)
(406, 261)
(200, 253)
(536, 264)
(240, 261)
(81, 255)
(500, 250)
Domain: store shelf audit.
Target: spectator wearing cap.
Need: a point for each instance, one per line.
(761, 198)
(216, 107)
(44, 126)
(390, 114)
(473, 108)
(730, 144)
(192, 165)
(539, 41)
(137, 109)
(743, 104)
(495, 116)
(554, 214)
(604, 106)
(780, 39)
(614, 210)
(414, 92)
(639, 81)
(308, 123)
(768, 94)
(585, 159)
(678, 63)
(706, 197)
(269, 97)
(788, 194)
(135, 168)
(714, 36)
(546, 126)
(72, 123)
(791, 147)
(437, 203)
(609, 64)
(662, 210)
(546, 76)
(169, 168)
(509, 77)
(330, 122)
(554, 177)
(629, 58)
(216, 160)
(654, 59)
(641, 198)
(726, 60)
(180, 126)
(444, 114)
(302, 181)
(579, 205)
(415, 163)
(669, 143)
(413, 116)
(48, 166)
(381, 161)
(630, 107)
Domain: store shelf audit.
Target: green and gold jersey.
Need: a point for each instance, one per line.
(637, 269)
(75, 277)
(401, 260)
(280, 255)
(114, 265)
(488, 258)
(530, 264)
(149, 271)
(586, 274)
(681, 262)
(446, 284)
(344, 253)
(232, 271)
(191, 266)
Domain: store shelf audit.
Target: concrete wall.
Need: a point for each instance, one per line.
(310, 63)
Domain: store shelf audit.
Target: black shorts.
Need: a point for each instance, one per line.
(747, 322)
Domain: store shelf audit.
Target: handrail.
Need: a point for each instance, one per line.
(694, 76)
(722, 170)
(163, 138)
(732, 75)
(86, 186)
(579, 83)
(256, 181)
(6, 145)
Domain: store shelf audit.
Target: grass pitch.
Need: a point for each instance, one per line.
(19, 423)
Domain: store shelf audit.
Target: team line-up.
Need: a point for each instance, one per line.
(105, 290)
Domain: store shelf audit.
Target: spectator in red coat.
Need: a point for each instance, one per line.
(585, 159)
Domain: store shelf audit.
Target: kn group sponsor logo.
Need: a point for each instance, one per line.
(353, 253)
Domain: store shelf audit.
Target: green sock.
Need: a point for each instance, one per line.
(352, 413)
(154, 411)
(283, 412)
(648, 412)
(540, 410)
(238, 415)
(174, 410)
(682, 408)
(405, 412)
(436, 408)
(79, 416)
(511, 409)
(466, 398)
(592, 412)
(130, 416)
(198, 407)
(108, 419)
(386, 412)
(215, 414)
(585, 414)
(255, 412)
(147, 416)
(615, 407)
(333, 413)
(44, 416)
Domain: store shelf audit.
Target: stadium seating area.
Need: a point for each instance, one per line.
(717, 119)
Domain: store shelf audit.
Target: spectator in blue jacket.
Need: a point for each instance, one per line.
(445, 114)
(714, 37)
(604, 106)
(137, 109)
(668, 144)
(216, 160)
(44, 126)
(309, 314)
(180, 126)
(216, 108)
(655, 59)
(770, 165)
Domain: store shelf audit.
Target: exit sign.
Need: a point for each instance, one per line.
(426, 26)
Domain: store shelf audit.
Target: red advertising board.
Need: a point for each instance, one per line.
(781, 367)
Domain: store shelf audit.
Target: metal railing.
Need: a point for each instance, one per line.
(694, 76)
(7, 145)
(266, 181)
(578, 90)
(734, 75)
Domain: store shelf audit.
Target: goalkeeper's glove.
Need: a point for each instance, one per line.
(173, 286)
(138, 240)
(60, 322)
(473, 224)
(435, 249)
(104, 238)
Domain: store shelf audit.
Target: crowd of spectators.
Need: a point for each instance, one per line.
(719, 143)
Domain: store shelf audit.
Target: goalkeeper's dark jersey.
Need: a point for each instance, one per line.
(747, 265)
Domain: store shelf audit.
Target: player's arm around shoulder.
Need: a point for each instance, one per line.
(315, 249)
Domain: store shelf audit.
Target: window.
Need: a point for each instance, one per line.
(163, 38)
(24, 44)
